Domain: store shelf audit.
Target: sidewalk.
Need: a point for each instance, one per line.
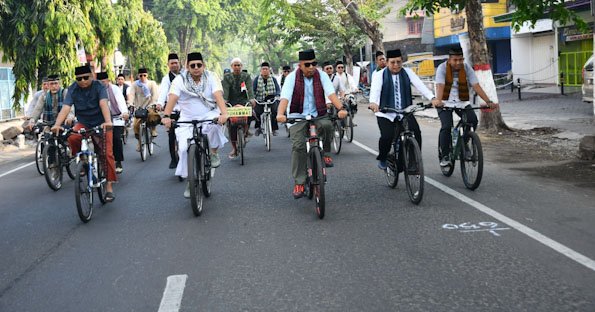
(10, 153)
(544, 108)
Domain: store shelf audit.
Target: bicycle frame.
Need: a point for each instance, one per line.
(91, 157)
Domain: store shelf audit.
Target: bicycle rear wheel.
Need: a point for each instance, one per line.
(83, 193)
(471, 160)
(143, 142)
(318, 182)
(349, 127)
(39, 156)
(337, 136)
(194, 164)
(125, 135)
(392, 172)
(413, 171)
(52, 166)
(150, 145)
(241, 144)
(205, 168)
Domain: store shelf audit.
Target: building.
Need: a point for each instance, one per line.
(7, 82)
(449, 24)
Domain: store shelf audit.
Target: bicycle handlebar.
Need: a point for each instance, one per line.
(408, 110)
(194, 122)
(293, 120)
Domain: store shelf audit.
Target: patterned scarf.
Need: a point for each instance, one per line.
(197, 88)
(48, 114)
(264, 88)
(146, 90)
(463, 87)
(297, 100)
(115, 110)
(387, 95)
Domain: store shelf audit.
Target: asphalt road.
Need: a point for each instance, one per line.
(255, 248)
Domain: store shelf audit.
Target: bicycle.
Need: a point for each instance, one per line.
(338, 131)
(238, 117)
(145, 137)
(199, 164)
(56, 156)
(41, 141)
(266, 125)
(90, 175)
(350, 105)
(465, 147)
(405, 152)
(316, 175)
(127, 125)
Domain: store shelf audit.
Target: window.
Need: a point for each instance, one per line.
(414, 26)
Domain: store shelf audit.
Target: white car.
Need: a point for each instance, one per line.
(587, 87)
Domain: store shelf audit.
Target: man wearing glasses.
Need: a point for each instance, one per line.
(328, 69)
(286, 71)
(141, 94)
(305, 93)
(199, 96)
(237, 91)
(89, 98)
(342, 81)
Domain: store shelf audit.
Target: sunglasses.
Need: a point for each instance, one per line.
(195, 65)
(83, 78)
(340, 67)
(310, 64)
(143, 75)
(328, 68)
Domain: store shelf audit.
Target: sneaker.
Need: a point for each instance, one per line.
(445, 161)
(173, 164)
(298, 191)
(258, 132)
(187, 190)
(119, 167)
(233, 155)
(328, 162)
(382, 164)
(215, 161)
(275, 132)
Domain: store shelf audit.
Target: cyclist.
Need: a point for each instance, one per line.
(391, 88)
(141, 94)
(380, 61)
(120, 115)
(199, 95)
(305, 93)
(49, 104)
(89, 98)
(264, 86)
(237, 93)
(286, 71)
(122, 85)
(328, 69)
(173, 63)
(34, 101)
(453, 81)
(342, 81)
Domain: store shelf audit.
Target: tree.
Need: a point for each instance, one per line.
(526, 10)
(366, 17)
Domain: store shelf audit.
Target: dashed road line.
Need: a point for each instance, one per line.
(16, 169)
(172, 295)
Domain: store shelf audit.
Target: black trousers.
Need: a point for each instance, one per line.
(387, 133)
(259, 109)
(445, 137)
(117, 143)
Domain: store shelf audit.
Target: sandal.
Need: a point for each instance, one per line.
(232, 155)
(109, 197)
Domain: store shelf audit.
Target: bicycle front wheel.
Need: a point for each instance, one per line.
(125, 135)
(205, 168)
(268, 132)
(240, 144)
(196, 199)
(392, 172)
(143, 142)
(471, 160)
(413, 171)
(101, 190)
(150, 145)
(52, 166)
(83, 193)
(69, 162)
(317, 182)
(349, 127)
(337, 137)
(39, 157)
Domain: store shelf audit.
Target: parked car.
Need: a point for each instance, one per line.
(587, 87)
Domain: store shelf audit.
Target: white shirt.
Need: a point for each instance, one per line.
(118, 121)
(192, 106)
(342, 82)
(164, 89)
(376, 89)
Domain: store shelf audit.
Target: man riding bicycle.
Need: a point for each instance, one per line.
(391, 88)
(89, 98)
(141, 94)
(453, 79)
(304, 93)
(199, 96)
(49, 105)
(173, 63)
(264, 86)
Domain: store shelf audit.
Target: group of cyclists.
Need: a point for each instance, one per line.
(195, 93)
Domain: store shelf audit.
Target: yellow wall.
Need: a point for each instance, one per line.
(444, 19)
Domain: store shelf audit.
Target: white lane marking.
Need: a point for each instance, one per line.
(574, 255)
(172, 295)
(16, 169)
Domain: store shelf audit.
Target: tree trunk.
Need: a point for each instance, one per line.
(371, 29)
(490, 120)
(348, 59)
